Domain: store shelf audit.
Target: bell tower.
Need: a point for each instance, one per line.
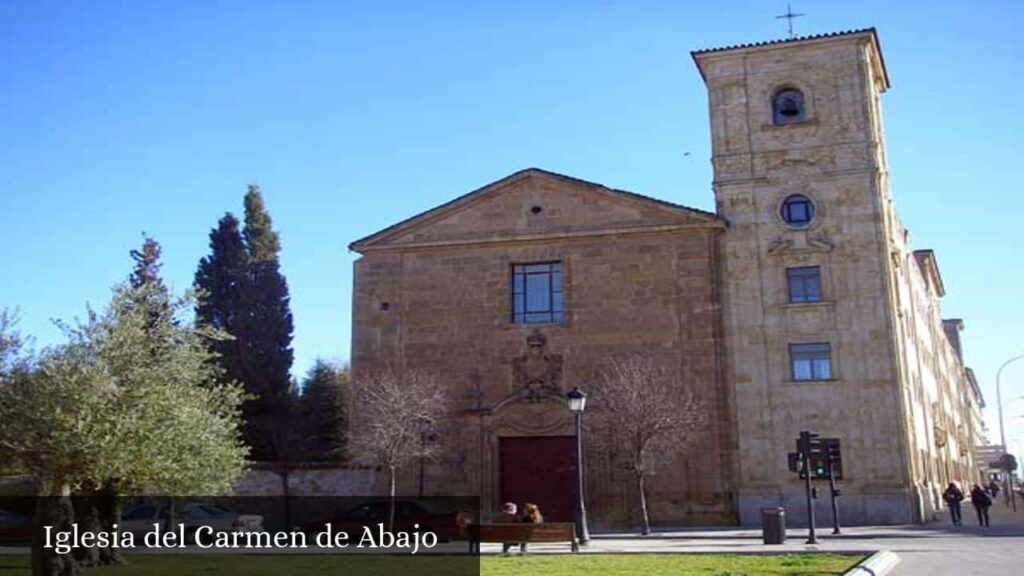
(800, 175)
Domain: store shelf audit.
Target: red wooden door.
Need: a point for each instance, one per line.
(542, 470)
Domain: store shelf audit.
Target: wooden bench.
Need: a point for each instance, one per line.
(524, 533)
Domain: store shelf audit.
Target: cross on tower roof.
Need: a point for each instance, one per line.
(789, 15)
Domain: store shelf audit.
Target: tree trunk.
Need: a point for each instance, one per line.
(108, 504)
(645, 520)
(53, 508)
(88, 518)
(391, 503)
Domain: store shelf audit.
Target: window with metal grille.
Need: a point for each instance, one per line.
(537, 293)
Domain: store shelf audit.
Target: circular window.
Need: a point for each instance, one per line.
(797, 211)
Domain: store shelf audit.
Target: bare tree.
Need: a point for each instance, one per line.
(646, 415)
(390, 416)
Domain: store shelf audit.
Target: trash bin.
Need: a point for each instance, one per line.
(773, 525)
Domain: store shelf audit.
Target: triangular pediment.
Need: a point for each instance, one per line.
(536, 204)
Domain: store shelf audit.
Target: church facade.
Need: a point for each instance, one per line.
(797, 305)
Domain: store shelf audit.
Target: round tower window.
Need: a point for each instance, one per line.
(797, 211)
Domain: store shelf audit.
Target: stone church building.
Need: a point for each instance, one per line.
(799, 304)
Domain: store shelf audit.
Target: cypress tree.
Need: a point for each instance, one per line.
(244, 294)
(222, 281)
(261, 241)
(266, 335)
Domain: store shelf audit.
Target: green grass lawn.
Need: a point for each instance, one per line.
(515, 565)
(668, 564)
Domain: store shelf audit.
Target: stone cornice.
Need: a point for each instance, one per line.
(529, 238)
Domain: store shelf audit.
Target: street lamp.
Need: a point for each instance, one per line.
(577, 402)
(1002, 427)
(426, 436)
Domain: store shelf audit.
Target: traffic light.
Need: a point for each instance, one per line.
(822, 454)
(808, 443)
(834, 457)
(810, 447)
(820, 469)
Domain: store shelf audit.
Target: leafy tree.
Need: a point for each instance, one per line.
(324, 412)
(132, 402)
(11, 343)
(645, 417)
(12, 362)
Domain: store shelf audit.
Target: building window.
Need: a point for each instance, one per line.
(811, 361)
(537, 293)
(788, 107)
(804, 284)
(797, 211)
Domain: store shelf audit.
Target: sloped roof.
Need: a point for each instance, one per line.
(797, 40)
(703, 215)
(785, 40)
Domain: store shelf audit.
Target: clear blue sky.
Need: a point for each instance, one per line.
(352, 115)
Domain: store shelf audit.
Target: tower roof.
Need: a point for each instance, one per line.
(768, 44)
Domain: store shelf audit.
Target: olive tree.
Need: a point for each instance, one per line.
(132, 401)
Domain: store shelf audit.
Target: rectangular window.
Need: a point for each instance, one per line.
(804, 284)
(811, 361)
(537, 293)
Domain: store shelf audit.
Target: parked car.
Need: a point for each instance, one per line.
(447, 524)
(140, 519)
(15, 529)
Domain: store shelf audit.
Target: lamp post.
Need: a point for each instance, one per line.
(425, 437)
(577, 402)
(1002, 426)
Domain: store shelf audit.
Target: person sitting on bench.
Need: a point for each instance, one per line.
(508, 515)
(531, 515)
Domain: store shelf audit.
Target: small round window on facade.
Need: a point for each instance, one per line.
(788, 106)
(797, 211)
(536, 209)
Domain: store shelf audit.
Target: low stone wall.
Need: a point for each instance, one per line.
(264, 479)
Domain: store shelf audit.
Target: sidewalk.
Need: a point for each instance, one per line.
(935, 549)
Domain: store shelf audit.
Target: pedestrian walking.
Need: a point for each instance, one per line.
(993, 488)
(953, 496)
(981, 503)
